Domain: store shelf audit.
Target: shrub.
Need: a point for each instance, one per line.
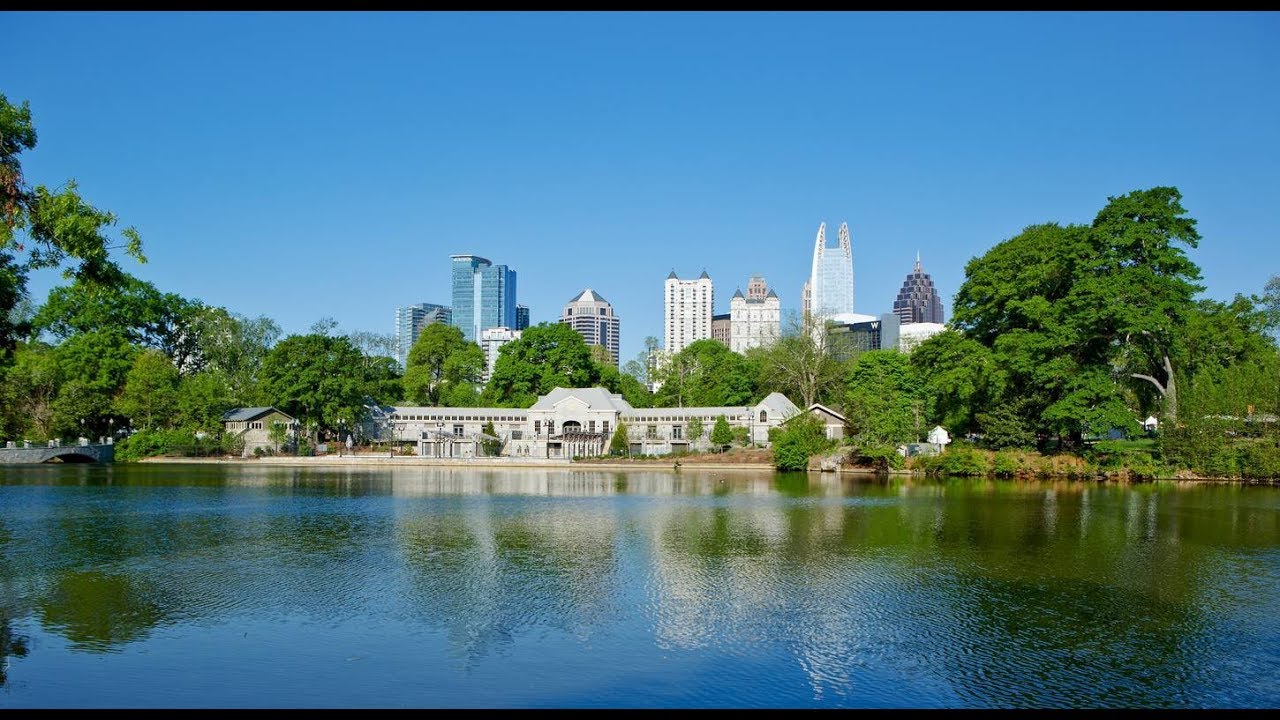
(155, 443)
(879, 456)
(1005, 465)
(797, 441)
(961, 461)
(1260, 460)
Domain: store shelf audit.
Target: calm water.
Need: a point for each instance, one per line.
(214, 586)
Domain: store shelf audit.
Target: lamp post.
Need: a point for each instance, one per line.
(439, 439)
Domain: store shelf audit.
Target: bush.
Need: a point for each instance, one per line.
(959, 461)
(156, 443)
(741, 436)
(1005, 465)
(1260, 460)
(879, 456)
(797, 441)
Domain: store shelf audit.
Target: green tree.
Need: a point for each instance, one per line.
(234, 346)
(957, 378)
(797, 440)
(94, 367)
(625, 385)
(1076, 315)
(150, 396)
(706, 374)
(721, 433)
(546, 356)
(133, 308)
(317, 379)
(43, 228)
(202, 400)
(1271, 304)
(491, 447)
(28, 392)
(880, 404)
(442, 367)
(695, 429)
(741, 436)
(800, 365)
(278, 434)
(638, 367)
(618, 445)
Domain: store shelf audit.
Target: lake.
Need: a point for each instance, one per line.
(238, 586)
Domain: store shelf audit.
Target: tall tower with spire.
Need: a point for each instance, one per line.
(831, 276)
(918, 300)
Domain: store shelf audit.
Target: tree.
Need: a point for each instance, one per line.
(150, 396)
(631, 390)
(721, 434)
(202, 400)
(544, 357)
(441, 366)
(618, 444)
(638, 367)
(235, 346)
(741, 436)
(797, 440)
(43, 228)
(957, 378)
(695, 429)
(317, 379)
(880, 405)
(134, 308)
(706, 374)
(278, 434)
(1271, 304)
(800, 364)
(492, 445)
(30, 387)
(1074, 315)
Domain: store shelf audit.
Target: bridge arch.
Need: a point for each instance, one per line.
(70, 457)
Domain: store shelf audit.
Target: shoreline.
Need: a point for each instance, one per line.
(559, 464)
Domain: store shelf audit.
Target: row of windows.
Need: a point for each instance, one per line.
(451, 418)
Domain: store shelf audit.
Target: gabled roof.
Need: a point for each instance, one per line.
(594, 397)
(778, 404)
(824, 409)
(588, 295)
(252, 413)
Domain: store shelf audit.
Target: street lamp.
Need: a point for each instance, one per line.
(439, 439)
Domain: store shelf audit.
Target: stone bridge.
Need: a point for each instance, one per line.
(65, 453)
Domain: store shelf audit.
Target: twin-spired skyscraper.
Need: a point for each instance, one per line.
(830, 287)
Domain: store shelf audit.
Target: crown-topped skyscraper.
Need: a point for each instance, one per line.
(918, 300)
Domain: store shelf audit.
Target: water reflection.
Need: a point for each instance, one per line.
(866, 592)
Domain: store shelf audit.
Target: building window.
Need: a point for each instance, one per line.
(676, 432)
(591, 426)
(764, 417)
(457, 430)
(651, 431)
(537, 427)
(517, 435)
(605, 425)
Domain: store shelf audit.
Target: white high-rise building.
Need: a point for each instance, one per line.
(688, 311)
(754, 320)
(492, 340)
(831, 278)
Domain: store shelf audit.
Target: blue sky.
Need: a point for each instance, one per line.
(310, 165)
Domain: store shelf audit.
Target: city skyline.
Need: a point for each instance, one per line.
(943, 132)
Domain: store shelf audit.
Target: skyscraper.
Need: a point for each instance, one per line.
(484, 295)
(688, 310)
(522, 317)
(918, 300)
(831, 279)
(593, 318)
(409, 323)
(722, 328)
(756, 319)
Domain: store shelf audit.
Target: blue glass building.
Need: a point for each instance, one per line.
(484, 295)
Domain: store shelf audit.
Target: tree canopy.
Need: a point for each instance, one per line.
(443, 368)
(544, 357)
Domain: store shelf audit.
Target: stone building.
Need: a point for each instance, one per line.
(756, 318)
(569, 422)
(722, 328)
(253, 425)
